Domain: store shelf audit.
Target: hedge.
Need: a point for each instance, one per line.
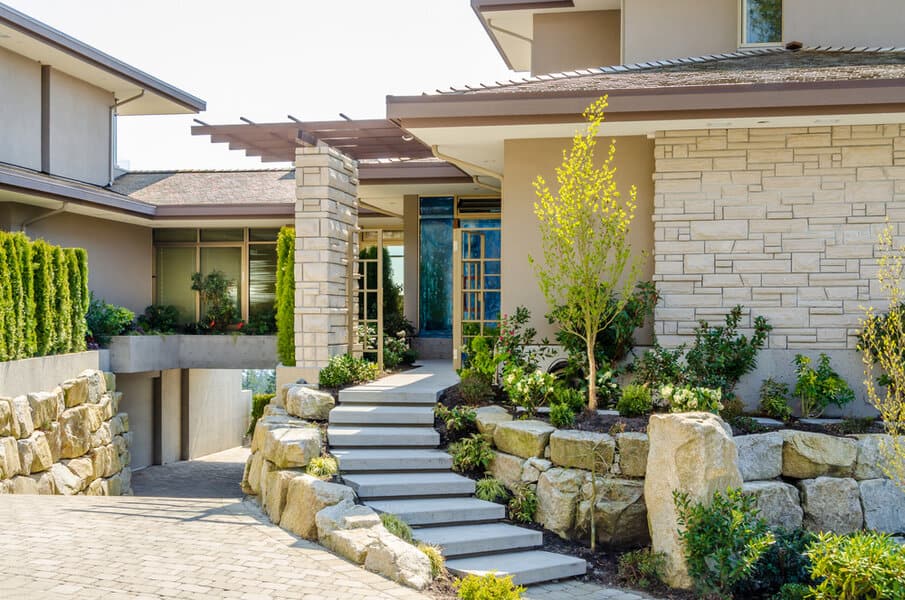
(285, 291)
(43, 298)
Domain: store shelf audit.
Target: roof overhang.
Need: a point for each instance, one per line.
(28, 37)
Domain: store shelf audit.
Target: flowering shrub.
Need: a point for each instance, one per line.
(528, 390)
(692, 399)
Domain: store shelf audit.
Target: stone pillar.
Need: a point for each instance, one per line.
(326, 223)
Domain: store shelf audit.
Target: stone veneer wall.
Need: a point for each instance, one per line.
(71, 440)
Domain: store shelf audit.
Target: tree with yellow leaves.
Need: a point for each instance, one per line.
(587, 272)
(882, 344)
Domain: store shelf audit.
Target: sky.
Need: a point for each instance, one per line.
(265, 59)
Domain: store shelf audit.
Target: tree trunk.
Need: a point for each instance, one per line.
(592, 374)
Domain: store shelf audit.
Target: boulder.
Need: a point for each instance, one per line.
(507, 468)
(399, 561)
(110, 381)
(308, 403)
(807, 455)
(6, 486)
(306, 497)
(760, 455)
(692, 453)
(620, 515)
(883, 503)
(831, 504)
(353, 544)
(778, 502)
(114, 485)
(97, 384)
(558, 493)
(582, 449)
(523, 438)
(488, 417)
(125, 477)
(77, 426)
(10, 464)
(254, 473)
(103, 436)
(342, 516)
(22, 414)
(54, 435)
(23, 484)
(119, 424)
(9, 426)
(871, 455)
(34, 453)
(265, 424)
(109, 405)
(292, 446)
(66, 482)
(98, 487)
(271, 410)
(274, 500)
(46, 483)
(44, 408)
(633, 448)
(105, 461)
(75, 392)
(119, 442)
(533, 467)
(83, 468)
(246, 472)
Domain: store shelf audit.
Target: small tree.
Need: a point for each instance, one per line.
(588, 272)
(882, 344)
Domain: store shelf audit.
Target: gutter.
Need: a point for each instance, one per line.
(467, 166)
(51, 213)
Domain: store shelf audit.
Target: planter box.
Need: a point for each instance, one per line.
(19, 377)
(141, 353)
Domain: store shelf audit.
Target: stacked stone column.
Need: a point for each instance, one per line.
(326, 224)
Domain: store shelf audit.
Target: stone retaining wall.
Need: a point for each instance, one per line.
(71, 440)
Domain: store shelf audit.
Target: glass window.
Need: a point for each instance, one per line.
(175, 266)
(229, 261)
(176, 235)
(263, 235)
(262, 279)
(222, 235)
(762, 21)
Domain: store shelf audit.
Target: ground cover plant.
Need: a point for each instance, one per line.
(472, 454)
(488, 587)
(863, 565)
(345, 369)
(820, 387)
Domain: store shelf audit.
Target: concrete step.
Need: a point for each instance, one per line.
(374, 395)
(459, 540)
(526, 568)
(364, 414)
(414, 459)
(440, 511)
(376, 437)
(394, 485)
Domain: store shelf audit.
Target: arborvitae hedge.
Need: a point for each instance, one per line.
(43, 298)
(286, 296)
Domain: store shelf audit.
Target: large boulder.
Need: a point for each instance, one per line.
(507, 468)
(67, 483)
(292, 446)
(277, 487)
(533, 467)
(620, 516)
(34, 453)
(83, 468)
(9, 426)
(884, 505)
(307, 496)
(75, 391)
(488, 417)
(558, 492)
(831, 504)
(871, 455)
(254, 473)
(77, 426)
(97, 384)
(119, 424)
(309, 403)
(46, 483)
(105, 461)
(778, 502)
(103, 436)
(523, 438)
(10, 464)
(691, 453)
(807, 455)
(344, 515)
(54, 435)
(582, 449)
(246, 472)
(760, 455)
(349, 530)
(265, 424)
(633, 449)
(45, 408)
(23, 484)
(399, 561)
(108, 405)
(22, 415)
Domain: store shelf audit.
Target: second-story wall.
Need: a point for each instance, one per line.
(20, 110)
(845, 22)
(658, 29)
(79, 129)
(575, 40)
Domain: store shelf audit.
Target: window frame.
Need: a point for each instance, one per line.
(743, 28)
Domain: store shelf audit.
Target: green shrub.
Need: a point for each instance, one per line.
(258, 403)
(723, 541)
(575, 399)
(528, 390)
(491, 490)
(159, 318)
(820, 387)
(659, 366)
(285, 296)
(488, 587)
(62, 303)
(345, 369)
(394, 349)
(863, 565)
(322, 467)
(459, 420)
(562, 416)
(472, 454)
(747, 424)
(641, 568)
(733, 408)
(79, 296)
(216, 291)
(475, 387)
(484, 358)
(774, 400)
(435, 556)
(397, 527)
(44, 293)
(17, 301)
(523, 504)
(793, 591)
(106, 320)
(636, 401)
(691, 399)
(853, 425)
(783, 562)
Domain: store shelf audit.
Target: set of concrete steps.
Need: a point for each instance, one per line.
(383, 437)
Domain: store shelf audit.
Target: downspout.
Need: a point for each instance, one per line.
(47, 215)
(467, 166)
(113, 115)
(477, 181)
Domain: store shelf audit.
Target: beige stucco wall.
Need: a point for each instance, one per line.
(844, 22)
(575, 40)
(20, 116)
(138, 394)
(218, 411)
(657, 29)
(171, 415)
(79, 129)
(523, 161)
(119, 255)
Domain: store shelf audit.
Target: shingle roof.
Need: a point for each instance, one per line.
(165, 188)
(756, 66)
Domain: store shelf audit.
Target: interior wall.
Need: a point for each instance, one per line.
(575, 40)
(137, 401)
(20, 118)
(524, 160)
(658, 29)
(845, 23)
(171, 415)
(218, 411)
(79, 129)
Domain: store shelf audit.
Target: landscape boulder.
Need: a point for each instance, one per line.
(66, 482)
(777, 502)
(871, 455)
(831, 504)
(77, 424)
(533, 467)
(633, 449)
(523, 438)
(34, 453)
(399, 561)
(9, 426)
(620, 516)
(292, 446)
(305, 498)
(277, 487)
(488, 417)
(45, 408)
(10, 464)
(558, 493)
(507, 468)
(308, 403)
(883, 503)
(22, 415)
(760, 455)
(582, 449)
(349, 530)
(75, 392)
(806, 455)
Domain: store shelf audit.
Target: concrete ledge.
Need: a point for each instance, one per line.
(140, 353)
(19, 377)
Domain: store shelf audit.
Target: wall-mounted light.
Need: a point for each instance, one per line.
(407, 137)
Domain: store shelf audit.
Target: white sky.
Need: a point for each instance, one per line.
(269, 58)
